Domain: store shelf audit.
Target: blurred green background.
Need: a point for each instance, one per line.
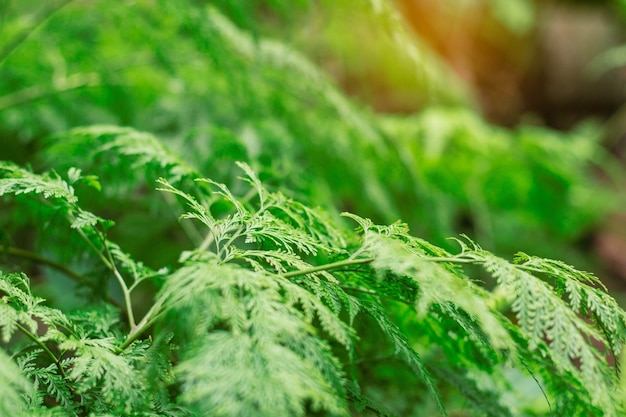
(501, 119)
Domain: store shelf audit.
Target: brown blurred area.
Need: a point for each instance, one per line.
(542, 71)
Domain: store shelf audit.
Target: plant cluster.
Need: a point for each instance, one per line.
(133, 285)
(274, 309)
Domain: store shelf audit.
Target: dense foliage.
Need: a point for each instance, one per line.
(172, 244)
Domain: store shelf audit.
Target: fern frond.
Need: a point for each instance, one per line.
(17, 180)
(41, 325)
(268, 229)
(88, 220)
(234, 375)
(543, 316)
(13, 386)
(48, 381)
(247, 318)
(393, 250)
(546, 319)
(123, 157)
(587, 296)
(311, 306)
(16, 305)
(324, 285)
(556, 269)
(101, 373)
(143, 149)
(314, 222)
(276, 221)
(283, 242)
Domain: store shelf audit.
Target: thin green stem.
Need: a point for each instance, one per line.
(356, 253)
(452, 260)
(531, 269)
(138, 332)
(193, 234)
(145, 323)
(363, 290)
(110, 264)
(95, 249)
(229, 242)
(34, 338)
(333, 265)
(142, 279)
(127, 299)
(21, 253)
(120, 279)
(460, 260)
(207, 241)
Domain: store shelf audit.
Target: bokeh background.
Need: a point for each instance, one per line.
(501, 119)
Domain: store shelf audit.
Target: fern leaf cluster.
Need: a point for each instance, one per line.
(265, 314)
(14, 386)
(151, 274)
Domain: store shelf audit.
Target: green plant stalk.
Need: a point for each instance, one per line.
(207, 241)
(333, 265)
(125, 291)
(111, 266)
(45, 348)
(21, 253)
(147, 322)
(151, 316)
(461, 260)
(224, 248)
(193, 234)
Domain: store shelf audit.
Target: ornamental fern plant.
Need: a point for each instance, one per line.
(271, 307)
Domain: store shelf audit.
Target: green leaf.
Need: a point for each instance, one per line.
(16, 180)
(13, 387)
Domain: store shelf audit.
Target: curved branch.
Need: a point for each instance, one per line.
(21, 253)
(24, 254)
(333, 265)
(34, 338)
